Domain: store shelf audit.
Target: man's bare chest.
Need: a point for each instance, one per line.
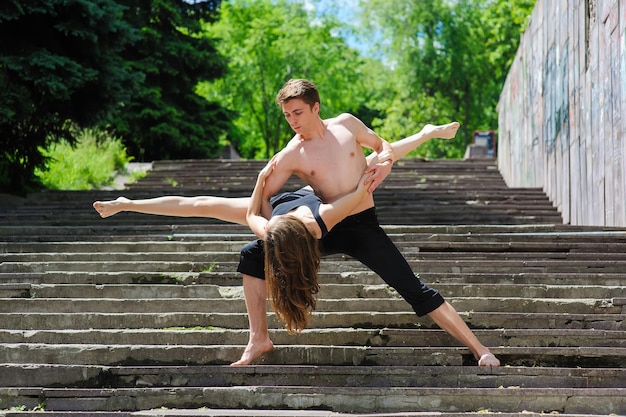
(327, 163)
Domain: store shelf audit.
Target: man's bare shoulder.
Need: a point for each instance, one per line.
(342, 118)
(346, 120)
(290, 151)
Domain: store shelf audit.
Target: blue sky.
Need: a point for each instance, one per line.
(345, 10)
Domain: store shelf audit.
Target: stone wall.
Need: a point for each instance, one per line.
(562, 111)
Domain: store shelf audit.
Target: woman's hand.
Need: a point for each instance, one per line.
(266, 171)
(375, 174)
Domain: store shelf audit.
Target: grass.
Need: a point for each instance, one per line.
(92, 163)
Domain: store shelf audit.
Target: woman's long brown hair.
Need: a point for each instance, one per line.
(292, 260)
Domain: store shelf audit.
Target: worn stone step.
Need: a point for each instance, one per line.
(327, 290)
(92, 354)
(93, 376)
(339, 399)
(15, 290)
(141, 266)
(236, 305)
(410, 247)
(484, 320)
(513, 234)
(112, 257)
(407, 245)
(327, 265)
(231, 254)
(206, 412)
(144, 226)
(232, 278)
(114, 247)
(173, 229)
(43, 413)
(422, 337)
(316, 413)
(155, 227)
(524, 278)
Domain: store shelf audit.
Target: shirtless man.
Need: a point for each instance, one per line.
(328, 155)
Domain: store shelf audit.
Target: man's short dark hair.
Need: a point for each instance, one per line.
(298, 88)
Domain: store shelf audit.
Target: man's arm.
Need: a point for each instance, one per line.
(367, 138)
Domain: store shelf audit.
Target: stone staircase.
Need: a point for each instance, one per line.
(139, 315)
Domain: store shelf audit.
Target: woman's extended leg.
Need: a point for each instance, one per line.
(406, 145)
(228, 209)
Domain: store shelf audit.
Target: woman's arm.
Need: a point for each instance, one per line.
(256, 221)
(333, 213)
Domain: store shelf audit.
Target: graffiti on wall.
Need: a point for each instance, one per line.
(562, 111)
(556, 99)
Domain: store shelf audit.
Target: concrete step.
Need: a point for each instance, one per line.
(93, 376)
(231, 278)
(358, 319)
(441, 266)
(135, 354)
(230, 251)
(327, 290)
(339, 399)
(206, 412)
(234, 303)
(407, 244)
(385, 337)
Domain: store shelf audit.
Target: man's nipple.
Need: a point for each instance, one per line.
(313, 173)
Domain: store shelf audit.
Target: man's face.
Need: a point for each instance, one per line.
(300, 115)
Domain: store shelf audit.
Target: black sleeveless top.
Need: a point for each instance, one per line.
(283, 203)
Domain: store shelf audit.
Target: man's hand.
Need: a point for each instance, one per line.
(379, 173)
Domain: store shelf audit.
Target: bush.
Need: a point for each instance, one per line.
(92, 163)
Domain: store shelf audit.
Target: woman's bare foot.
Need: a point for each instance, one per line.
(488, 359)
(253, 351)
(109, 208)
(447, 131)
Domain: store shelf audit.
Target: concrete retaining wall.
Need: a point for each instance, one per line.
(562, 112)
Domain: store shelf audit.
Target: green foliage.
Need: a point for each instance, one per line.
(59, 61)
(166, 119)
(448, 61)
(269, 42)
(90, 163)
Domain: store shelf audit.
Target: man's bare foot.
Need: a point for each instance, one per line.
(109, 208)
(253, 351)
(488, 359)
(447, 131)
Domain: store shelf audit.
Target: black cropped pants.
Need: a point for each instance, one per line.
(361, 237)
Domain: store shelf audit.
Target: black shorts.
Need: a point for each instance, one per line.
(361, 237)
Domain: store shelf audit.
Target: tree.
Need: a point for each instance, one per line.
(166, 118)
(268, 42)
(449, 59)
(59, 68)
